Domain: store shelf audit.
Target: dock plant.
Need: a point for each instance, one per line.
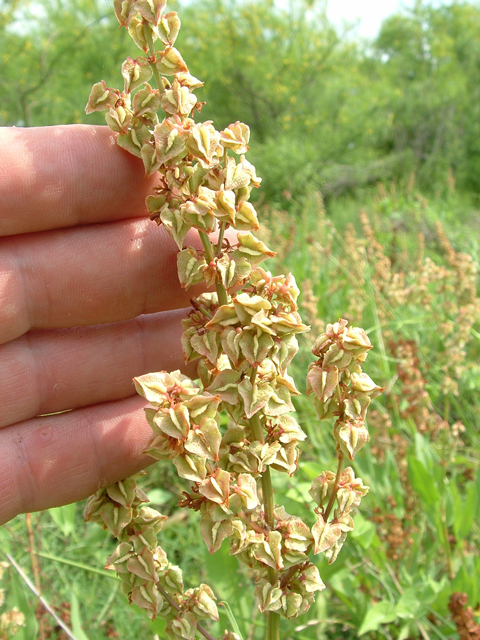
(228, 430)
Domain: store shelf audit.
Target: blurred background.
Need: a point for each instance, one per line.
(365, 121)
(329, 107)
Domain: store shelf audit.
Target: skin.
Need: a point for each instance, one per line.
(89, 298)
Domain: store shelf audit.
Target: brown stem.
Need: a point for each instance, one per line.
(252, 525)
(34, 561)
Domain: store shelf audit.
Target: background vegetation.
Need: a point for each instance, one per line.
(370, 154)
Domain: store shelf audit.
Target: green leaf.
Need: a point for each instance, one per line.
(451, 497)
(404, 632)
(111, 575)
(299, 493)
(431, 590)
(16, 598)
(465, 513)
(157, 626)
(467, 580)
(424, 452)
(408, 604)
(230, 585)
(231, 619)
(477, 484)
(64, 518)
(75, 618)
(422, 482)
(222, 570)
(379, 614)
(311, 469)
(364, 531)
(159, 496)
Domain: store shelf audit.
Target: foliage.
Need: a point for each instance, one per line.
(323, 107)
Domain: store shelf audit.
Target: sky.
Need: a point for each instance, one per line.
(369, 12)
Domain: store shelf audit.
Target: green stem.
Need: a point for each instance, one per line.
(221, 233)
(273, 618)
(207, 246)
(448, 548)
(221, 293)
(151, 48)
(335, 487)
(273, 626)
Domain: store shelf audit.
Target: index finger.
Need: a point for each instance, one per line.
(63, 176)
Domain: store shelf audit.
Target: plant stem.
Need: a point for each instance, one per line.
(220, 239)
(448, 548)
(273, 618)
(210, 256)
(173, 604)
(151, 49)
(335, 487)
(273, 626)
(207, 246)
(31, 550)
(42, 600)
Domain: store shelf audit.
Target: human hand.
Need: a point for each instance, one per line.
(89, 298)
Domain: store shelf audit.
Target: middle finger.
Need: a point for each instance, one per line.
(56, 369)
(87, 275)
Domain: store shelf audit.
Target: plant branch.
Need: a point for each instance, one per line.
(220, 239)
(151, 49)
(210, 255)
(335, 487)
(173, 604)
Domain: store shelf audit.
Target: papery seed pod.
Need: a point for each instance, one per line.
(350, 435)
(178, 100)
(236, 137)
(135, 73)
(201, 602)
(322, 488)
(101, 98)
(171, 579)
(252, 249)
(332, 552)
(159, 388)
(183, 627)
(214, 533)
(137, 33)
(168, 27)
(190, 466)
(216, 487)
(134, 140)
(150, 10)
(325, 534)
(147, 597)
(124, 10)
(268, 596)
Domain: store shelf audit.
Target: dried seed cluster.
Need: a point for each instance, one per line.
(243, 337)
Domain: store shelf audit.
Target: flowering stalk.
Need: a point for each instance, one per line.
(243, 337)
